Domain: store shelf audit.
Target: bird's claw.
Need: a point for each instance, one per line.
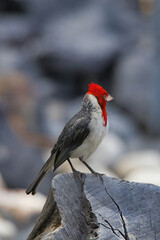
(96, 174)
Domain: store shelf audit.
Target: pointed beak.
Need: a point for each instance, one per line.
(109, 98)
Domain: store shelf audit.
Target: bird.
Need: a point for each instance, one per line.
(81, 135)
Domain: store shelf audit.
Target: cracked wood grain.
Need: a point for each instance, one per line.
(114, 230)
(125, 235)
(86, 206)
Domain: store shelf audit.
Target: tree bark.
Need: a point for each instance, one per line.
(86, 206)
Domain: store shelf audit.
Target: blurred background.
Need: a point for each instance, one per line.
(49, 51)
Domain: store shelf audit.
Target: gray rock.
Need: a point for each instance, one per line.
(21, 162)
(10, 60)
(9, 6)
(121, 123)
(86, 39)
(22, 234)
(145, 175)
(14, 29)
(136, 85)
(22, 207)
(136, 160)
(7, 229)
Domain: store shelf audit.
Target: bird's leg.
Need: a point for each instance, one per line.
(76, 174)
(73, 169)
(91, 170)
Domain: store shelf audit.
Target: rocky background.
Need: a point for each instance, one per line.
(49, 51)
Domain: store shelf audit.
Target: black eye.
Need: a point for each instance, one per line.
(105, 97)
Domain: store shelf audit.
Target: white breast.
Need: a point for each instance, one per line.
(96, 135)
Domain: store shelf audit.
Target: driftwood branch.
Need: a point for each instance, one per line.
(85, 206)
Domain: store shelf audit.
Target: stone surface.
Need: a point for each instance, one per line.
(91, 41)
(145, 175)
(14, 29)
(7, 229)
(20, 206)
(136, 160)
(136, 84)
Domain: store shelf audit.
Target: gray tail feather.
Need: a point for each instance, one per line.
(45, 169)
(32, 188)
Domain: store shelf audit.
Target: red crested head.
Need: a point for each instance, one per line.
(102, 97)
(97, 90)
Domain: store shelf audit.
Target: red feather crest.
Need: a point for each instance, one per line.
(99, 93)
(96, 90)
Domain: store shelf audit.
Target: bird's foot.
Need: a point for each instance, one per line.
(96, 174)
(92, 171)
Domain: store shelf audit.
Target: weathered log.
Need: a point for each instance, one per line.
(87, 206)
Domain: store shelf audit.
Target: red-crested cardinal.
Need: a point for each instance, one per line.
(81, 135)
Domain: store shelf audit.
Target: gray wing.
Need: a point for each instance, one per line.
(72, 136)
